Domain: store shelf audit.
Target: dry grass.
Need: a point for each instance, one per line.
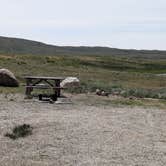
(106, 70)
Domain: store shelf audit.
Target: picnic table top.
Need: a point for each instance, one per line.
(45, 78)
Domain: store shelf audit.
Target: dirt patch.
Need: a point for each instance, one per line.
(82, 134)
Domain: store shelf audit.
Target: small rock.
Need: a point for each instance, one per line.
(51, 101)
(98, 92)
(103, 93)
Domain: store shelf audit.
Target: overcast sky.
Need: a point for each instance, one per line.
(137, 24)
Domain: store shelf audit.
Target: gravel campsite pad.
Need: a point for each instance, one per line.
(80, 134)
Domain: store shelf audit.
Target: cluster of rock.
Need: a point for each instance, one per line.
(100, 92)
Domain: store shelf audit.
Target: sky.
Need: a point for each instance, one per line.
(136, 24)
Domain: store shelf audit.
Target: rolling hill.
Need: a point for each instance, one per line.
(29, 47)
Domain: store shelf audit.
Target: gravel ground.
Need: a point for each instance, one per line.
(82, 134)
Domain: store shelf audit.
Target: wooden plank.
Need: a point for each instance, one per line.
(28, 89)
(46, 78)
(33, 82)
(40, 87)
(58, 91)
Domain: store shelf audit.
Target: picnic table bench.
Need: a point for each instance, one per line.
(49, 83)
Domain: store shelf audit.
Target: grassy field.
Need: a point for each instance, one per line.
(105, 72)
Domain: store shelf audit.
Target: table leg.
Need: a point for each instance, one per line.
(28, 89)
(58, 91)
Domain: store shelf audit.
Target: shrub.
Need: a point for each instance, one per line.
(89, 86)
(20, 131)
(144, 93)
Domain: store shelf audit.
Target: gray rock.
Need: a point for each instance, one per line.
(101, 93)
(98, 92)
(70, 82)
(7, 78)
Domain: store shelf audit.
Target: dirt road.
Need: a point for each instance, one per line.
(82, 134)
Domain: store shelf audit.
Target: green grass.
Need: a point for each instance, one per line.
(124, 72)
(105, 72)
(146, 103)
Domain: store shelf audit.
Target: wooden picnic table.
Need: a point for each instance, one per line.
(49, 83)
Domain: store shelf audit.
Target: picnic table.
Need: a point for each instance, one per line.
(49, 83)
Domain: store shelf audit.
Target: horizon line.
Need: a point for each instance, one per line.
(90, 46)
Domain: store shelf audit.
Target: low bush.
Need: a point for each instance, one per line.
(116, 89)
(144, 93)
(20, 131)
(89, 86)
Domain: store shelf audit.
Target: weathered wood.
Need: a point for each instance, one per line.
(49, 83)
(37, 82)
(28, 89)
(33, 82)
(53, 97)
(58, 91)
(40, 87)
(46, 78)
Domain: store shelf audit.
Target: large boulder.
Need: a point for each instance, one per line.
(70, 82)
(7, 78)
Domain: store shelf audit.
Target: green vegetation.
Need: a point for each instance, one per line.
(135, 79)
(124, 72)
(14, 46)
(118, 101)
(146, 103)
(20, 131)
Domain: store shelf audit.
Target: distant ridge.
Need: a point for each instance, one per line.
(23, 46)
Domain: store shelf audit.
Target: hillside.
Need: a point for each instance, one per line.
(28, 47)
(96, 67)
